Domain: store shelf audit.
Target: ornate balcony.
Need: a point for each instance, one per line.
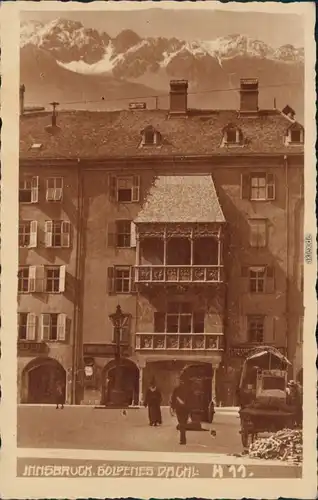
(178, 274)
(179, 342)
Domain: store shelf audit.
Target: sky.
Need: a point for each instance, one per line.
(272, 28)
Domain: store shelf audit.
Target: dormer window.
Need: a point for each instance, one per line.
(150, 137)
(295, 135)
(232, 136)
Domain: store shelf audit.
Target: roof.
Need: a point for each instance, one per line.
(94, 134)
(188, 198)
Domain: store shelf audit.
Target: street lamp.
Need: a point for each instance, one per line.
(118, 320)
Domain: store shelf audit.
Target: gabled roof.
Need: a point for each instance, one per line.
(96, 134)
(188, 198)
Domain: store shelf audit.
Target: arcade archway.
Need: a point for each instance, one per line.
(40, 378)
(128, 382)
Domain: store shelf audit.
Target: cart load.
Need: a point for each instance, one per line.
(265, 404)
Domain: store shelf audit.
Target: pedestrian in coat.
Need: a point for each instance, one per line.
(153, 401)
(180, 406)
(59, 396)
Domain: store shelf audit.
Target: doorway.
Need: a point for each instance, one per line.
(128, 382)
(40, 379)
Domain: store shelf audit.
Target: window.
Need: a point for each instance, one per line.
(123, 232)
(260, 279)
(255, 328)
(179, 318)
(124, 331)
(295, 136)
(258, 186)
(28, 233)
(54, 189)
(258, 233)
(55, 279)
(53, 327)
(257, 279)
(232, 135)
(26, 326)
(121, 279)
(125, 189)
(29, 190)
(57, 234)
(23, 279)
(149, 136)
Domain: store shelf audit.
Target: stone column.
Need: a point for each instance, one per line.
(213, 384)
(142, 365)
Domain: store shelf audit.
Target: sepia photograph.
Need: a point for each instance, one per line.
(162, 242)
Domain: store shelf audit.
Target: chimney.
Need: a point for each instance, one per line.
(22, 92)
(249, 95)
(178, 97)
(53, 128)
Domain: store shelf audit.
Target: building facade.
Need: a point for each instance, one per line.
(190, 220)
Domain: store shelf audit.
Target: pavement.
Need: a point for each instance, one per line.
(87, 428)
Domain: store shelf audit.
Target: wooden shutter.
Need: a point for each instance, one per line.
(61, 327)
(112, 180)
(111, 234)
(48, 230)
(35, 189)
(65, 230)
(49, 190)
(245, 186)
(40, 279)
(32, 279)
(45, 326)
(270, 187)
(33, 234)
(31, 326)
(135, 194)
(62, 279)
(270, 279)
(111, 279)
(132, 234)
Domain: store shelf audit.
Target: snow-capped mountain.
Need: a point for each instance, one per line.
(67, 50)
(87, 51)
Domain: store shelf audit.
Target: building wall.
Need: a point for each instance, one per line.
(97, 252)
(39, 303)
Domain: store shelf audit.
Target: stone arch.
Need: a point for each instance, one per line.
(39, 380)
(128, 384)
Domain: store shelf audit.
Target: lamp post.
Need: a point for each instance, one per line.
(118, 319)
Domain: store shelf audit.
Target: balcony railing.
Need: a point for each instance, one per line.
(179, 274)
(179, 341)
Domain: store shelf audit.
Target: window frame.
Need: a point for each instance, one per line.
(123, 234)
(252, 224)
(254, 318)
(134, 189)
(179, 315)
(54, 193)
(122, 279)
(257, 279)
(50, 234)
(34, 189)
(24, 279)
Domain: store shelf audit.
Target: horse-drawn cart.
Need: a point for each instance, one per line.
(264, 405)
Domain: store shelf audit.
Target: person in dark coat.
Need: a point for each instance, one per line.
(153, 401)
(180, 405)
(59, 396)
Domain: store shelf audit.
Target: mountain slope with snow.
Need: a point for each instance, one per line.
(82, 58)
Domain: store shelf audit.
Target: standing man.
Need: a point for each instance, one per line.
(180, 406)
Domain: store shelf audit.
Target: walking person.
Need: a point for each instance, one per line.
(59, 396)
(153, 401)
(180, 406)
